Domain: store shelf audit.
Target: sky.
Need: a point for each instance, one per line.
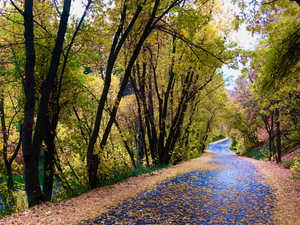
(244, 39)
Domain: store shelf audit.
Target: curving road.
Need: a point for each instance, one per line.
(233, 194)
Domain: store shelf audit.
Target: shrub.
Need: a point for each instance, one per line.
(234, 145)
(11, 201)
(296, 168)
(259, 153)
(217, 138)
(287, 164)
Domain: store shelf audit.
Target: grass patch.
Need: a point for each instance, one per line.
(287, 164)
(259, 153)
(78, 189)
(8, 200)
(105, 180)
(234, 145)
(218, 138)
(123, 175)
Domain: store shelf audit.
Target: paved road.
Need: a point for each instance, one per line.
(230, 195)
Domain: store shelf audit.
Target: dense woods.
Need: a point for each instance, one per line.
(90, 96)
(96, 91)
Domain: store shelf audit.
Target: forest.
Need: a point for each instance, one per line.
(93, 92)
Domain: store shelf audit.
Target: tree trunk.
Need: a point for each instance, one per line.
(164, 108)
(177, 122)
(130, 153)
(10, 183)
(141, 130)
(49, 165)
(278, 136)
(118, 42)
(48, 83)
(42, 125)
(30, 153)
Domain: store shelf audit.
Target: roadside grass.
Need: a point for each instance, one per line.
(78, 189)
(123, 175)
(234, 146)
(287, 163)
(99, 200)
(214, 139)
(259, 153)
(105, 180)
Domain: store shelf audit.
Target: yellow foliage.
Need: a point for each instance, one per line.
(296, 168)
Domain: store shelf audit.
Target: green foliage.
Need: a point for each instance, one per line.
(5, 201)
(125, 174)
(296, 168)
(11, 201)
(109, 179)
(287, 164)
(280, 58)
(259, 153)
(246, 136)
(217, 138)
(62, 194)
(234, 145)
(180, 155)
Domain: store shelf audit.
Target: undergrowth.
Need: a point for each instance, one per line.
(118, 176)
(259, 153)
(123, 175)
(287, 163)
(220, 137)
(61, 193)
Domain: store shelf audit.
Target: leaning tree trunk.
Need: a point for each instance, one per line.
(42, 124)
(118, 42)
(10, 183)
(52, 123)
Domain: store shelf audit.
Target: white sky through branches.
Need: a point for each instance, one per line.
(243, 38)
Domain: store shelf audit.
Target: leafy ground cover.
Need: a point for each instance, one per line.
(285, 189)
(217, 188)
(259, 153)
(233, 194)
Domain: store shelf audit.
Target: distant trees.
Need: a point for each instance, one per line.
(273, 91)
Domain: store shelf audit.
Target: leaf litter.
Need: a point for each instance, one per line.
(233, 194)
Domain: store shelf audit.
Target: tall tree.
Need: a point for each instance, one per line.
(149, 25)
(30, 153)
